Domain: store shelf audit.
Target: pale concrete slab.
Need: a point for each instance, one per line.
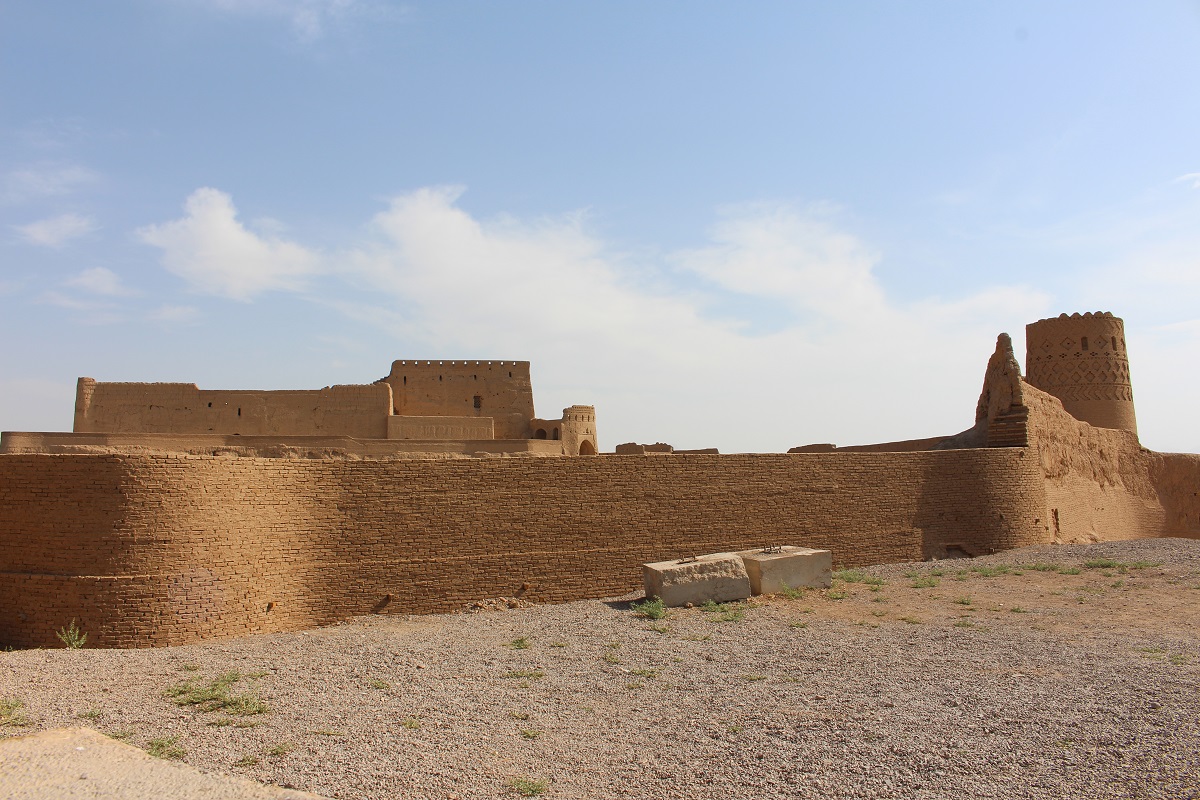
(773, 569)
(719, 577)
(70, 763)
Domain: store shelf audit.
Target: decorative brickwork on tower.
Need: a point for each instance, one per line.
(1081, 360)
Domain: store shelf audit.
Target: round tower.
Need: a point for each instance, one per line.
(1081, 360)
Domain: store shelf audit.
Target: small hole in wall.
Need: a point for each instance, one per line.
(1083, 343)
(439, 377)
(270, 607)
(239, 412)
(478, 401)
(406, 380)
(510, 374)
(210, 405)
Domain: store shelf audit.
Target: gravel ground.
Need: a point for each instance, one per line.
(946, 679)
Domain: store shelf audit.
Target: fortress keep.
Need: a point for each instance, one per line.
(173, 514)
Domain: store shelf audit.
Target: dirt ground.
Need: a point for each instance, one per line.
(1048, 672)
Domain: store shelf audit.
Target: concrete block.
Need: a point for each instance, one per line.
(718, 577)
(771, 570)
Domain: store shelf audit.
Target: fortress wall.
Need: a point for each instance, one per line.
(450, 388)
(1098, 480)
(182, 408)
(1176, 478)
(158, 550)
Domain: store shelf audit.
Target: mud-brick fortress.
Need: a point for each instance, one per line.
(173, 514)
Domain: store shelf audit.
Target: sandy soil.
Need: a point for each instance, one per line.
(946, 679)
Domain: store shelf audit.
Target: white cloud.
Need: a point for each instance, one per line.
(211, 250)
(56, 231)
(46, 180)
(645, 345)
(309, 19)
(1192, 177)
(669, 348)
(99, 280)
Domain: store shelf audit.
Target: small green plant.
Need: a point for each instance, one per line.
(246, 761)
(724, 612)
(558, 644)
(519, 714)
(1117, 584)
(1102, 563)
(119, 735)
(659, 628)
(411, 723)
(216, 696)
(281, 749)
(879, 613)
(375, 683)
(222, 722)
(963, 601)
(532, 674)
(964, 623)
(754, 678)
(190, 667)
(992, 572)
(792, 593)
(528, 787)
(72, 636)
(736, 728)
(1018, 610)
(644, 673)
(521, 643)
(650, 608)
(836, 594)
(166, 747)
(91, 715)
(910, 620)
(691, 637)
(1178, 658)
(634, 685)
(1039, 567)
(11, 715)
(527, 733)
(926, 582)
(798, 624)
(326, 732)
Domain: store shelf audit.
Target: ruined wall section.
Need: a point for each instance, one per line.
(1176, 478)
(1098, 480)
(183, 408)
(1081, 360)
(158, 550)
(497, 389)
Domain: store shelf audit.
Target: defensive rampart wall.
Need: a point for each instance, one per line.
(168, 549)
(360, 412)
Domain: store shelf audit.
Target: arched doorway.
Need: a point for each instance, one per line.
(540, 433)
(586, 448)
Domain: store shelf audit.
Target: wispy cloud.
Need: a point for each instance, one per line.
(211, 250)
(309, 19)
(56, 231)
(46, 180)
(1191, 177)
(101, 281)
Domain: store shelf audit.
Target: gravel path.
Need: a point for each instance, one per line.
(935, 680)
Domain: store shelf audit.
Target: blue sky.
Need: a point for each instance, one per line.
(748, 225)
